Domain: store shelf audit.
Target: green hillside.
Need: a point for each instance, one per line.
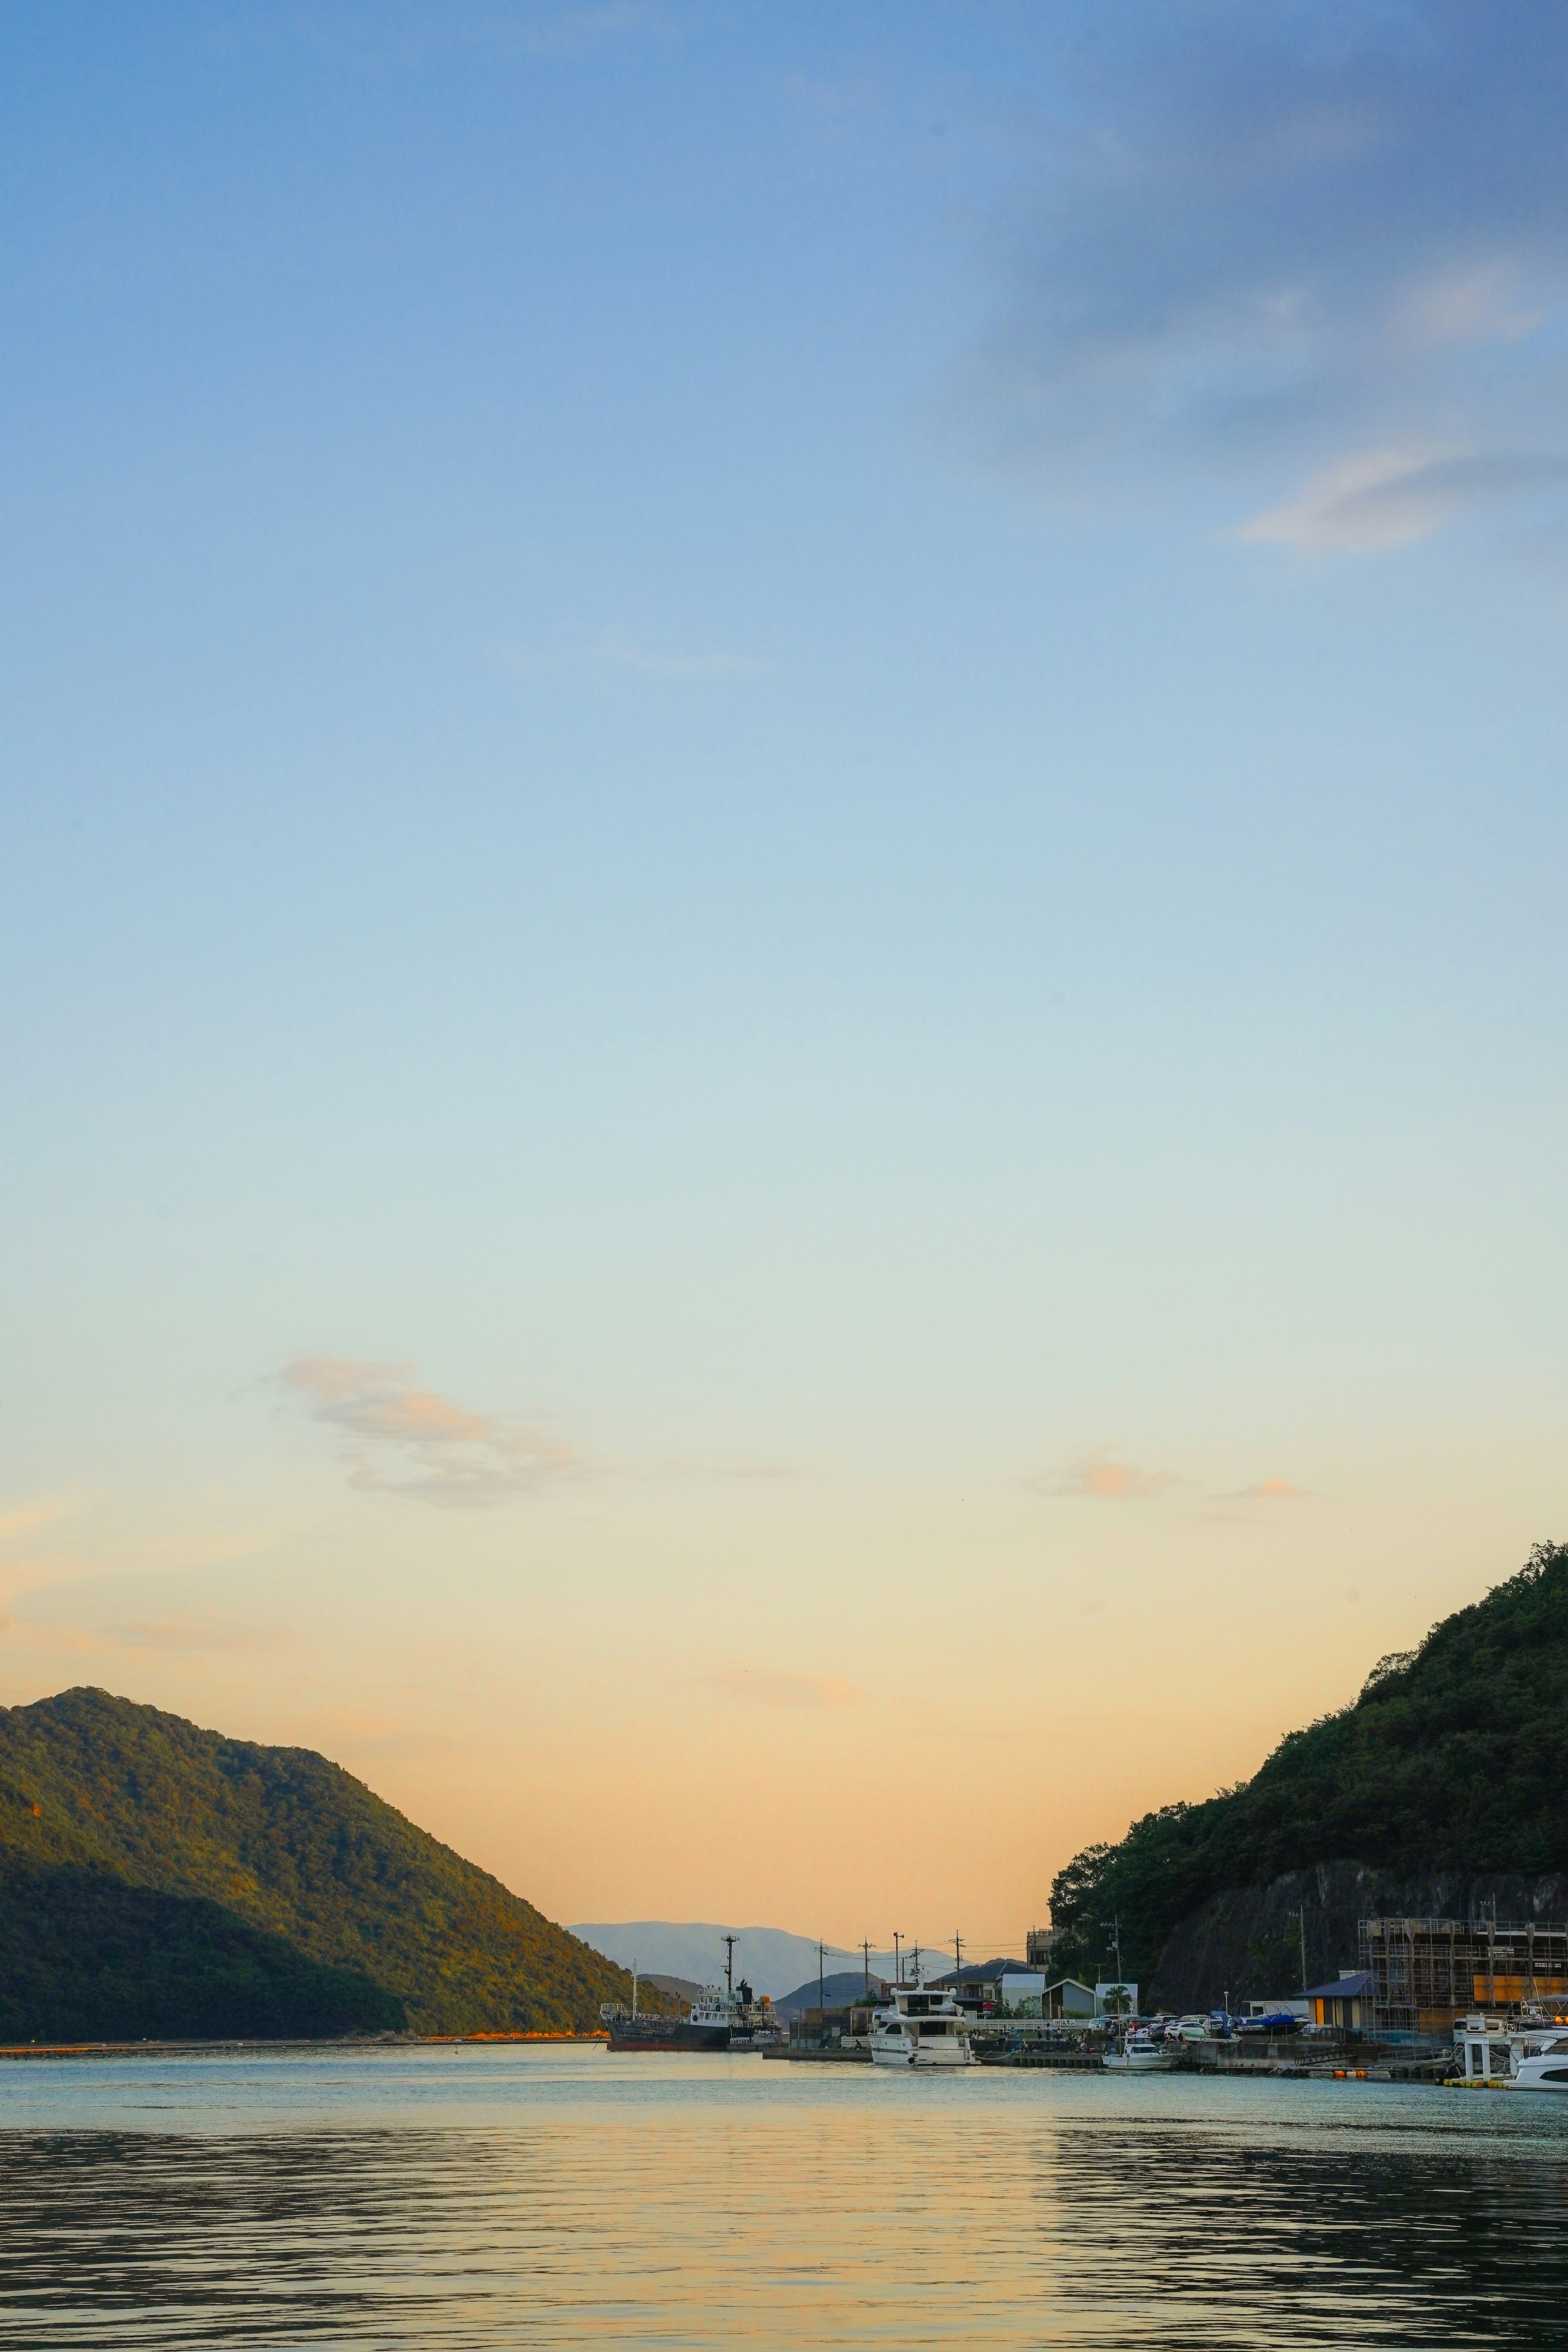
(85, 1957)
(288, 1845)
(1454, 1757)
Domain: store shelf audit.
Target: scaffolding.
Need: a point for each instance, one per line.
(1426, 1975)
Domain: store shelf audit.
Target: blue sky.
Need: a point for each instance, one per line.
(783, 817)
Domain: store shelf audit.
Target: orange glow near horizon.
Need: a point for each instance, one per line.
(911, 1717)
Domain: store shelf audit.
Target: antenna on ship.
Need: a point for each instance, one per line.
(730, 1966)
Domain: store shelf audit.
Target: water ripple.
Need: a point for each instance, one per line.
(471, 2202)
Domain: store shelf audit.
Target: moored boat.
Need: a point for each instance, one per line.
(722, 2017)
(1494, 2055)
(1139, 2053)
(1543, 2063)
(922, 2028)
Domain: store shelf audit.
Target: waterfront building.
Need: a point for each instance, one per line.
(989, 1984)
(1067, 1998)
(1426, 1975)
(1343, 2003)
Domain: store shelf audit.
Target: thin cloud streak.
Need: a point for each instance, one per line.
(196, 1636)
(419, 1443)
(1101, 1476)
(33, 1514)
(1246, 246)
(1386, 499)
(764, 1687)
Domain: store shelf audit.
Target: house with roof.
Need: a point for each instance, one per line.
(993, 1985)
(1344, 2001)
(1067, 1998)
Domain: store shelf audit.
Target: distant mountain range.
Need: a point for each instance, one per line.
(837, 1991)
(770, 1959)
(160, 1881)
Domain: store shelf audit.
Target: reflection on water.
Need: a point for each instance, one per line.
(514, 2199)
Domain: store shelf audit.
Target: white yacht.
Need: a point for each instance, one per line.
(1543, 2063)
(1523, 2057)
(921, 2028)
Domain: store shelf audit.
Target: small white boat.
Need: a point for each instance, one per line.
(917, 2028)
(1141, 2053)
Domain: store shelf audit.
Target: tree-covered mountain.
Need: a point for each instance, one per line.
(1454, 1758)
(85, 1958)
(97, 1793)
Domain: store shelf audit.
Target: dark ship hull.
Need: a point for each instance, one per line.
(666, 2034)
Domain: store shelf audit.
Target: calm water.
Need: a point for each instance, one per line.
(520, 2198)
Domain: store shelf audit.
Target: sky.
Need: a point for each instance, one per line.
(782, 993)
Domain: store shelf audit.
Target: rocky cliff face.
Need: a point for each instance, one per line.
(1246, 1941)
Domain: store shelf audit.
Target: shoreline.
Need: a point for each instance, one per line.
(354, 2042)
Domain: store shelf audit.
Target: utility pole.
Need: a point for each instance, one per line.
(1301, 1916)
(865, 1963)
(957, 1954)
(821, 2001)
(634, 1984)
(898, 1963)
(730, 1966)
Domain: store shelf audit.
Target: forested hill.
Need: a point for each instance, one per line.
(311, 1873)
(1455, 1757)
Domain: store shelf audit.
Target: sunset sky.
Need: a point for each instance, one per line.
(782, 979)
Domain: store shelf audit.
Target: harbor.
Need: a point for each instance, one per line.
(1441, 2002)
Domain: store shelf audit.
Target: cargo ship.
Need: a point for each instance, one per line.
(726, 2017)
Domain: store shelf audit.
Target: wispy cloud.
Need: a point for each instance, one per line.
(197, 1635)
(1386, 497)
(1101, 1476)
(616, 654)
(414, 1440)
(679, 1465)
(764, 1687)
(27, 1515)
(1247, 246)
(1267, 1490)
